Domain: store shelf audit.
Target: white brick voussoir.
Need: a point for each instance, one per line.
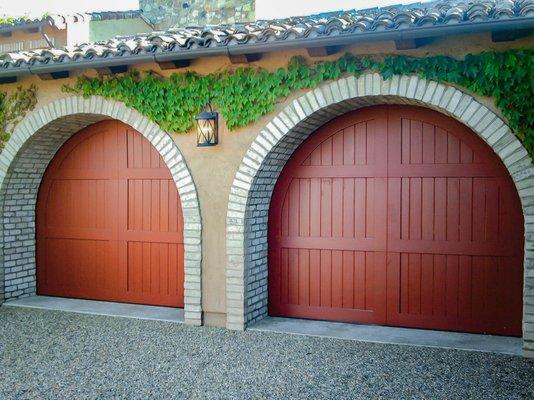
(316, 102)
(344, 88)
(292, 125)
(420, 89)
(328, 95)
(412, 87)
(289, 117)
(58, 116)
(282, 123)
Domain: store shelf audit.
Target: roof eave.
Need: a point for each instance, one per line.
(22, 26)
(399, 34)
(434, 31)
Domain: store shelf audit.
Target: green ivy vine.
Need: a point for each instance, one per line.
(6, 20)
(11, 21)
(13, 107)
(243, 95)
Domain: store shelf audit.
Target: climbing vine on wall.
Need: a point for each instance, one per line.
(243, 95)
(13, 107)
(508, 77)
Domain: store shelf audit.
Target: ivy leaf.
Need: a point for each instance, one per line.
(245, 94)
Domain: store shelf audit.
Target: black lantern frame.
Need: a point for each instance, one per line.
(207, 127)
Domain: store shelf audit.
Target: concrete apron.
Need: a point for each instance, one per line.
(336, 330)
(138, 311)
(392, 335)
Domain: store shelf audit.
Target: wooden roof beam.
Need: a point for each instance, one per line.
(174, 64)
(31, 30)
(7, 79)
(54, 75)
(408, 44)
(112, 70)
(244, 58)
(511, 35)
(323, 51)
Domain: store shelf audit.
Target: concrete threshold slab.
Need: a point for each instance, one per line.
(138, 311)
(392, 335)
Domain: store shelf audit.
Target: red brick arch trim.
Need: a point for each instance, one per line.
(246, 237)
(23, 161)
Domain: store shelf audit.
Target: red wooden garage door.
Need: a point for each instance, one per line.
(109, 221)
(401, 216)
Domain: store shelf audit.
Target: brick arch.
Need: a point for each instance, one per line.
(23, 161)
(257, 174)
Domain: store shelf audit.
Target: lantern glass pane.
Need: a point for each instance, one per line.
(205, 131)
(207, 128)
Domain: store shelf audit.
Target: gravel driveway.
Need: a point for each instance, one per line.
(48, 354)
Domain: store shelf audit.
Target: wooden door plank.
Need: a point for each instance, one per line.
(116, 188)
(407, 190)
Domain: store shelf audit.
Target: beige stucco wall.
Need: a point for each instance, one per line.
(58, 35)
(213, 169)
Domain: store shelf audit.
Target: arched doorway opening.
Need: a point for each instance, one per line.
(397, 215)
(109, 222)
(24, 160)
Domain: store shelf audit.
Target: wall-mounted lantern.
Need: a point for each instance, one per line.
(207, 128)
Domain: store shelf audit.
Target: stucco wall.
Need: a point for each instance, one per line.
(104, 30)
(58, 36)
(213, 169)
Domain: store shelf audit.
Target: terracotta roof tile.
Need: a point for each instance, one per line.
(400, 17)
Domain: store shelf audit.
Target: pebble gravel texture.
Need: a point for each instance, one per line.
(56, 355)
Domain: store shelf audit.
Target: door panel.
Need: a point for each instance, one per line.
(449, 211)
(397, 215)
(327, 236)
(109, 221)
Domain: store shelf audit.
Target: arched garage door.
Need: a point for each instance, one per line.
(109, 221)
(400, 216)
